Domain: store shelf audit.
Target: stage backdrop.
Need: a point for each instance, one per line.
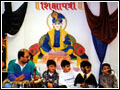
(34, 26)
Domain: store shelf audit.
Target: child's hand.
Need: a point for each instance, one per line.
(50, 85)
(84, 85)
(110, 87)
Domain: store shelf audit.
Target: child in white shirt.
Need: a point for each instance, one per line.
(66, 77)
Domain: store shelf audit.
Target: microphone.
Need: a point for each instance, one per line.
(109, 70)
(85, 71)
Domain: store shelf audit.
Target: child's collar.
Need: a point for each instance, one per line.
(88, 75)
(49, 72)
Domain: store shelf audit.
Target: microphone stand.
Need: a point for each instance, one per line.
(85, 78)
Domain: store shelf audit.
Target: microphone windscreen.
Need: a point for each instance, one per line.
(109, 71)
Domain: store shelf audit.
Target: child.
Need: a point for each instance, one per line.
(107, 79)
(50, 77)
(85, 79)
(66, 77)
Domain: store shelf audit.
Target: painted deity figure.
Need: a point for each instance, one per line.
(57, 37)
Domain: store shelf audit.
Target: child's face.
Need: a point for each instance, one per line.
(105, 70)
(88, 69)
(57, 25)
(51, 68)
(67, 68)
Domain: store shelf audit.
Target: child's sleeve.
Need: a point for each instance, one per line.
(55, 83)
(61, 79)
(94, 81)
(115, 84)
(77, 79)
(44, 76)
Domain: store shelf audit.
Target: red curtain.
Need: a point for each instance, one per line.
(105, 26)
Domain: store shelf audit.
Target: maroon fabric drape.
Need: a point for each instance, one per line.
(105, 26)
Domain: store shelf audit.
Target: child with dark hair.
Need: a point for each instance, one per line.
(67, 76)
(85, 79)
(50, 77)
(107, 79)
